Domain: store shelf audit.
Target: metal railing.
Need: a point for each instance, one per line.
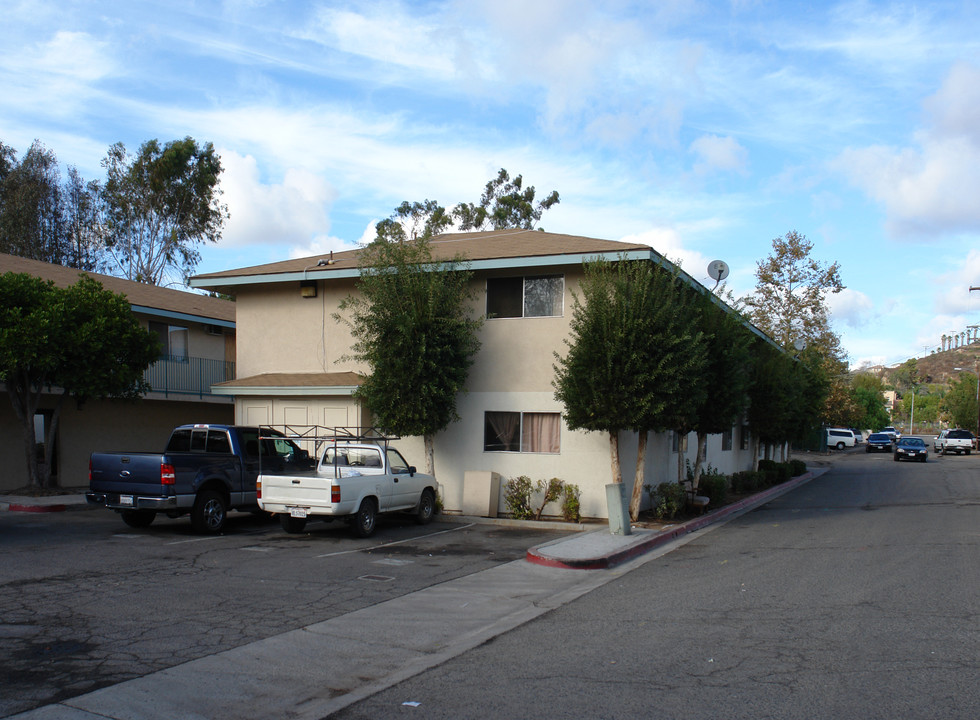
(172, 375)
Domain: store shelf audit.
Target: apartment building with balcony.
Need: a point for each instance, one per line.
(197, 340)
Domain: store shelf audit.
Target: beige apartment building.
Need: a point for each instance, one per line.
(291, 366)
(197, 339)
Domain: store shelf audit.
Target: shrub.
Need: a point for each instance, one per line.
(797, 467)
(747, 481)
(517, 495)
(666, 500)
(552, 492)
(715, 488)
(570, 505)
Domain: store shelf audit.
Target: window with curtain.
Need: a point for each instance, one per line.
(538, 296)
(528, 432)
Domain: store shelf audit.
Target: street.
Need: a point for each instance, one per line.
(87, 602)
(852, 596)
(855, 596)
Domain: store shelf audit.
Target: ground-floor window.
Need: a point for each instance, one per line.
(726, 440)
(529, 432)
(743, 435)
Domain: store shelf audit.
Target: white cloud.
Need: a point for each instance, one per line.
(667, 242)
(850, 307)
(289, 213)
(955, 297)
(719, 153)
(928, 188)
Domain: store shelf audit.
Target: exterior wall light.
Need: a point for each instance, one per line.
(307, 288)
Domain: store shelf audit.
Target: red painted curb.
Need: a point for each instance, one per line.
(618, 557)
(36, 508)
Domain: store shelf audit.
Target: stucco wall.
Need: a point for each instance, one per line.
(143, 425)
(278, 331)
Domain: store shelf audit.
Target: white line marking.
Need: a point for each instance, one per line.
(397, 542)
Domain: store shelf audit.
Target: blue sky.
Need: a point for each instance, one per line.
(705, 129)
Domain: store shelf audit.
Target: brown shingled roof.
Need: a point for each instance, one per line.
(278, 380)
(142, 294)
(474, 246)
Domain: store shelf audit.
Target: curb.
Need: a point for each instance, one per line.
(538, 556)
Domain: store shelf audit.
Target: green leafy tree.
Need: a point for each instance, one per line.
(790, 305)
(906, 376)
(43, 218)
(961, 402)
(779, 399)
(159, 206)
(871, 405)
(727, 377)
(635, 355)
(411, 326)
(81, 342)
(505, 203)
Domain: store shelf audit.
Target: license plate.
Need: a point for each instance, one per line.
(125, 499)
(297, 512)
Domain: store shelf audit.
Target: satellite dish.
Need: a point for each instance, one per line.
(718, 270)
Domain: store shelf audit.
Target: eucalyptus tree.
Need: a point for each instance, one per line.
(158, 207)
(43, 218)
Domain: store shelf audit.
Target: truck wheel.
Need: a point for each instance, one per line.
(364, 520)
(138, 518)
(427, 508)
(840, 446)
(292, 525)
(210, 512)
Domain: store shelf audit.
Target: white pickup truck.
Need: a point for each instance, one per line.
(954, 441)
(357, 476)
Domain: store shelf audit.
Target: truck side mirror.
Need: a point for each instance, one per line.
(411, 471)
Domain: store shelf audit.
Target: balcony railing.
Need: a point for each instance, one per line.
(187, 375)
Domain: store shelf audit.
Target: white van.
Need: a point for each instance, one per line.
(840, 438)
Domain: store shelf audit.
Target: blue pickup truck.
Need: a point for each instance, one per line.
(205, 471)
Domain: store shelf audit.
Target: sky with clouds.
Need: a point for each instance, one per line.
(705, 129)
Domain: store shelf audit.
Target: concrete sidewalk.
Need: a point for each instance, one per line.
(311, 672)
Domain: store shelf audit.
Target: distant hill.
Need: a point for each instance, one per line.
(937, 367)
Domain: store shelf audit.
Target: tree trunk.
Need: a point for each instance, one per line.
(639, 476)
(25, 405)
(430, 462)
(699, 459)
(617, 473)
(755, 452)
(681, 456)
(50, 435)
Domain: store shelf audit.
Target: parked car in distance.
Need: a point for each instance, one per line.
(840, 438)
(891, 432)
(953, 441)
(858, 436)
(878, 442)
(911, 448)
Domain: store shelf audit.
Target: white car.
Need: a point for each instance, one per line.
(953, 441)
(357, 477)
(840, 438)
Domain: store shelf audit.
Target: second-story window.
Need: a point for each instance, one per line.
(173, 340)
(532, 296)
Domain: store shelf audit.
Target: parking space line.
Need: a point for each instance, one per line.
(396, 542)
